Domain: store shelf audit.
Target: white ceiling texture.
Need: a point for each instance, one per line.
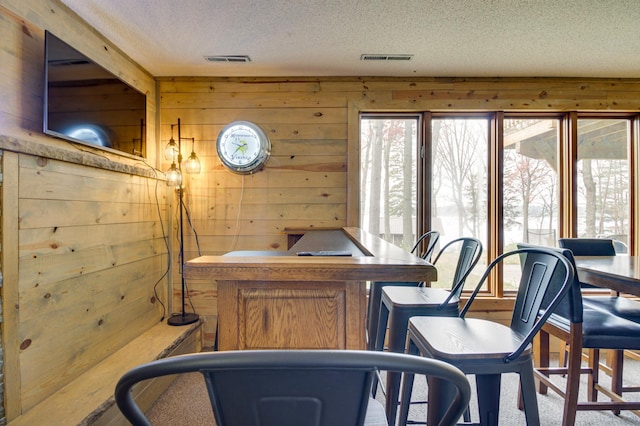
(454, 38)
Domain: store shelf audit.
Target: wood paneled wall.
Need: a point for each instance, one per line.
(83, 253)
(81, 230)
(311, 180)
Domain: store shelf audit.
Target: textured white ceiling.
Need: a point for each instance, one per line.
(481, 38)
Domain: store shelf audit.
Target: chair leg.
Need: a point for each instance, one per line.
(528, 392)
(373, 313)
(573, 381)
(616, 361)
(594, 373)
(397, 340)
(541, 357)
(488, 388)
(562, 354)
(407, 387)
(378, 342)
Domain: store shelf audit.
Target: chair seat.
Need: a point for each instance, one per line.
(466, 340)
(413, 297)
(601, 329)
(617, 305)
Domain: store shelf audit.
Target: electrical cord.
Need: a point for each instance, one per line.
(166, 243)
(237, 234)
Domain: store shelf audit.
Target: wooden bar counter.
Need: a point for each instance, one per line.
(285, 300)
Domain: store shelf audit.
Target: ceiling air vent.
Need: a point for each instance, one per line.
(382, 57)
(228, 58)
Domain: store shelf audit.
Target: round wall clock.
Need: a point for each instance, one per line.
(243, 147)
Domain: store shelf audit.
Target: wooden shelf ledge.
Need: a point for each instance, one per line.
(88, 400)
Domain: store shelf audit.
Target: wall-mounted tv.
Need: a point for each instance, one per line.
(87, 104)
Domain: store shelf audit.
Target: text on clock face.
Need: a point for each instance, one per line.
(241, 147)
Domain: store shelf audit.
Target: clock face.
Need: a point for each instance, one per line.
(243, 147)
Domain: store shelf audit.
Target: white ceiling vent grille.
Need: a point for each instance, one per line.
(228, 58)
(383, 57)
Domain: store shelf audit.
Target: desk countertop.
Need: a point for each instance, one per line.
(372, 259)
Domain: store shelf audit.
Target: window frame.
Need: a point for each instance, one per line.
(567, 172)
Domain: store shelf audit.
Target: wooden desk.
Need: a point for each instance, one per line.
(618, 273)
(285, 301)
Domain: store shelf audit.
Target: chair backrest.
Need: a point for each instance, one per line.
(290, 387)
(470, 250)
(571, 306)
(432, 238)
(588, 246)
(546, 278)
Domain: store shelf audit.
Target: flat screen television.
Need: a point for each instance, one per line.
(85, 103)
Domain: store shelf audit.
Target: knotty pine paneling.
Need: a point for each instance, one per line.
(88, 268)
(313, 127)
(82, 228)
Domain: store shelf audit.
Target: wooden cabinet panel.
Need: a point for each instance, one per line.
(286, 315)
(292, 318)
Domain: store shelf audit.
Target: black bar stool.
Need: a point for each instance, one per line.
(399, 303)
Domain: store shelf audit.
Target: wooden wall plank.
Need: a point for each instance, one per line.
(10, 290)
(45, 241)
(311, 178)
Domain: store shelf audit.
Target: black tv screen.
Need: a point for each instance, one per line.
(87, 104)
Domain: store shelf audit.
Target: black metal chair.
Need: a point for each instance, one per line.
(583, 327)
(293, 387)
(399, 303)
(488, 349)
(432, 238)
(429, 241)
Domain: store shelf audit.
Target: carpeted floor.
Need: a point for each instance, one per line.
(186, 402)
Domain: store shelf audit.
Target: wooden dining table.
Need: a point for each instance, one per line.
(618, 273)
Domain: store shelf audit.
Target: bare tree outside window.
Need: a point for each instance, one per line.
(388, 154)
(603, 180)
(459, 186)
(530, 182)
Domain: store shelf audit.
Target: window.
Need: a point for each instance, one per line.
(603, 180)
(459, 174)
(501, 177)
(530, 185)
(388, 195)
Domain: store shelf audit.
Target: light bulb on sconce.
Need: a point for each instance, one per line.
(171, 150)
(173, 176)
(192, 164)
